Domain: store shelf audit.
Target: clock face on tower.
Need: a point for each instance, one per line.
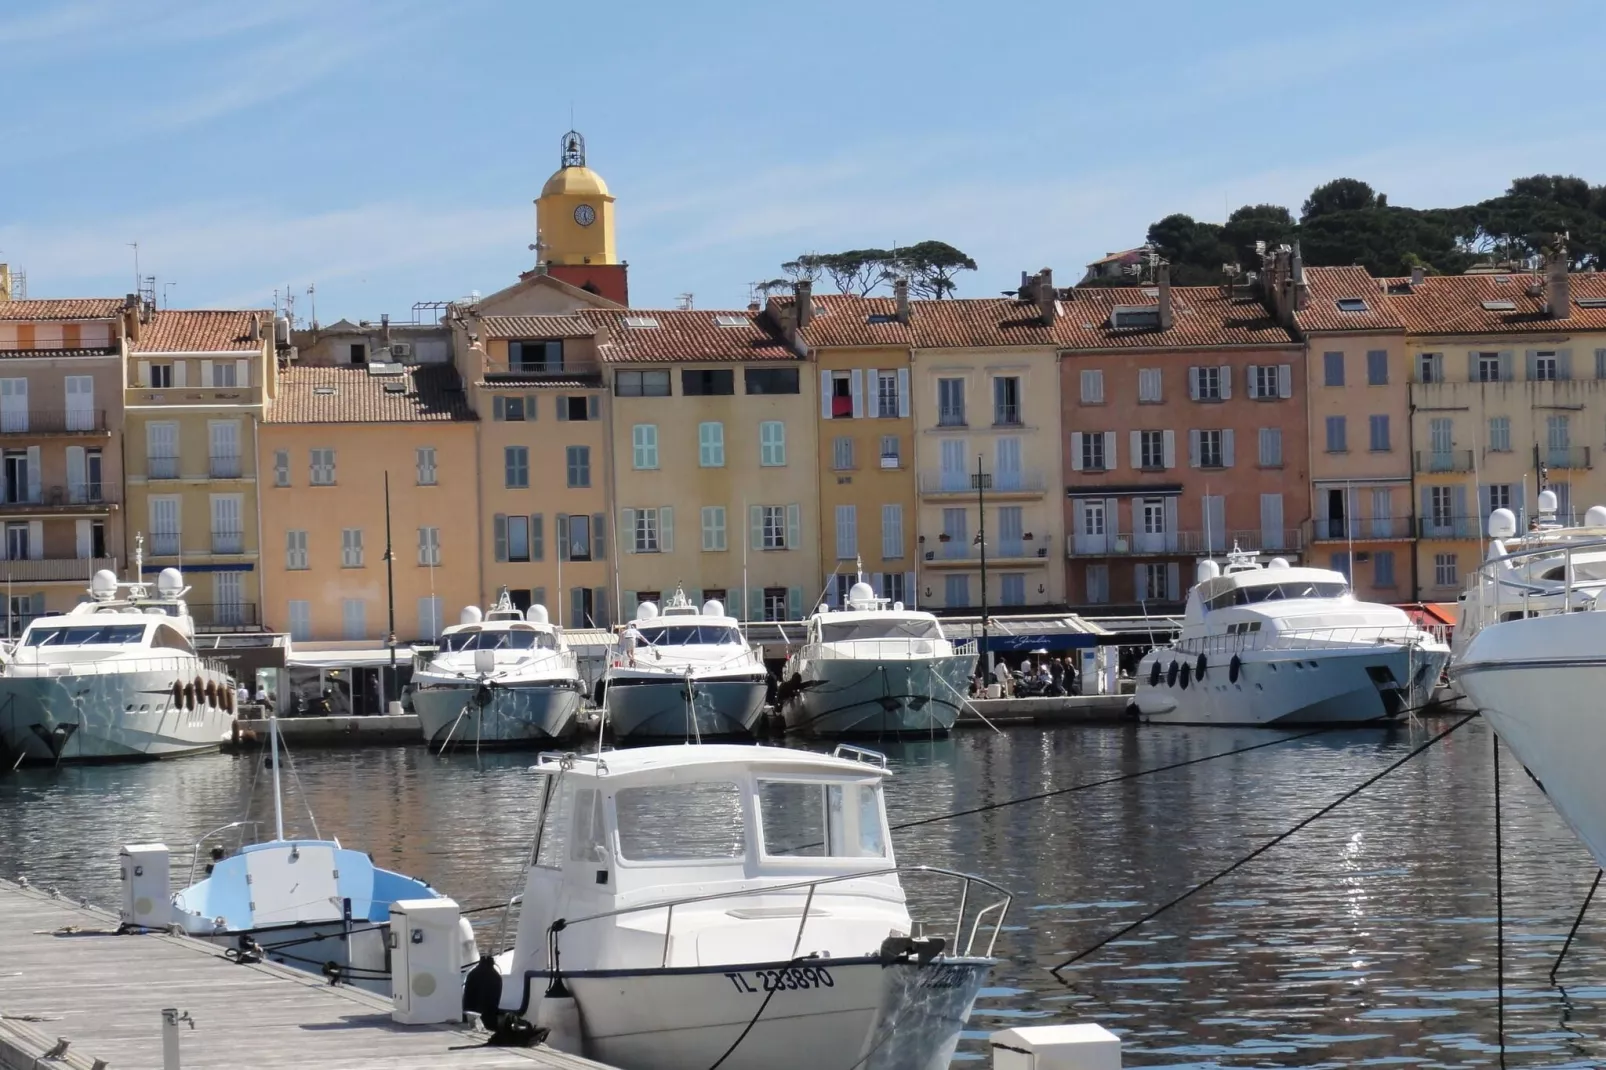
(585, 215)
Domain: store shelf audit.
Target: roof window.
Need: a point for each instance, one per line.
(1500, 306)
(1502, 278)
(881, 317)
(1126, 317)
(395, 388)
(323, 390)
(1590, 302)
(1351, 304)
(640, 322)
(730, 321)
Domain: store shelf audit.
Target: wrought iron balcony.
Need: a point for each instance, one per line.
(227, 541)
(1444, 460)
(1342, 529)
(1562, 456)
(53, 422)
(1448, 527)
(224, 616)
(161, 466)
(224, 466)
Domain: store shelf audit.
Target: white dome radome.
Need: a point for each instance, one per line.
(1277, 562)
(103, 584)
(169, 582)
(646, 611)
(1503, 524)
(1595, 517)
(536, 614)
(1207, 570)
(713, 608)
(1547, 501)
(470, 615)
(861, 592)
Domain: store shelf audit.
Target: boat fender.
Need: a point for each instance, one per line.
(1154, 673)
(189, 696)
(1186, 671)
(1171, 675)
(1234, 667)
(558, 1017)
(211, 693)
(178, 693)
(1200, 666)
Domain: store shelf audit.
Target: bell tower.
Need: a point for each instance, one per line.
(574, 214)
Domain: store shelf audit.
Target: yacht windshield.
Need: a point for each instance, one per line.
(512, 639)
(1274, 592)
(821, 820)
(893, 628)
(62, 635)
(688, 635)
(680, 822)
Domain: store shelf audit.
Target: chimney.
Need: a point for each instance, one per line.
(256, 328)
(384, 330)
(1043, 290)
(1162, 287)
(804, 291)
(132, 317)
(753, 305)
(1300, 297)
(900, 295)
(1560, 284)
(1417, 275)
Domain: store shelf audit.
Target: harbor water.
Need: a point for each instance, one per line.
(1367, 939)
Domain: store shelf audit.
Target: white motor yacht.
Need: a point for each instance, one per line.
(501, 678)
(875, 668)
(1535, 661)
(683, 673)
(740, 907)
(1282, 645)
(116, 677)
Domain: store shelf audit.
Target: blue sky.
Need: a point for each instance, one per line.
(388, 152)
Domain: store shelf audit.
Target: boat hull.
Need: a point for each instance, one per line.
(1287, 688)
(879, 697)
(656, 709)
(819, 1013)
(531, 714)
(110, 716)
(360, 959)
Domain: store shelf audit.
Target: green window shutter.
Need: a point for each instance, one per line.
(594, 407)
(563, 536)
(755, 518)
(666, 529)
(627, 529)
(498, 407)
(794, 527)
(537, 538)
(599, 545)
(499, 525)
(794, 603)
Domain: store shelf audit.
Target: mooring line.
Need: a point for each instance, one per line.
(1499, 915)
(1262, 849)
(1576, 923)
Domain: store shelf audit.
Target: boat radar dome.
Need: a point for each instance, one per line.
(713, 608)
(1503, 523)
(861, 596)
(103, 584)
(470, 615)
(1547, 501)
(169, 582)
(536, 614)
(897, 607)
(1207, 570)
(646, 611)
(1277, 562)
(1595, 517)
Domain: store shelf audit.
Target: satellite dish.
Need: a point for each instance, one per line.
(1547, 501)
(1277, 562)
(712, 608)
(1503, 523)
(103, 584)
(647, 611)
(470, 615)
(1207, 570)
(169, 582)
(1595, 517)
(537, 614)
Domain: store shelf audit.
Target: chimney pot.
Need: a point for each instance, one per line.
(804, 292)
(900, 295)
(1417, 275)
(1162, 289)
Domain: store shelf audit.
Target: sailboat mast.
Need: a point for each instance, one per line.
(278, 799)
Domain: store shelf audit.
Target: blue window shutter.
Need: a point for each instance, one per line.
(537, 537)
(794, 603)
(599, 545)
(499, 526)
(563, 536)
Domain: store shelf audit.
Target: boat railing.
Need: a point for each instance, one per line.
(115, 665)
(195, 852)
(1504, 588)
(1302, 639)
(964, 941)
(854, 649)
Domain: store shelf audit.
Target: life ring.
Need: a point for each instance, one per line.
(1154, 673)
(1200, 666)
(1234, 668)
(1171, 675)
(1185, 674)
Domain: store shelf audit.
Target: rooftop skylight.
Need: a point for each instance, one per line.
(730, 321)
(323, 390)
(640, 322)
(1351, 304)
(1500, 306)
(1590, 302)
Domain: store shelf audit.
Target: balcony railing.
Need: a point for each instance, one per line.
(227, 542)
(165, 543)
(1025, 482)
(1149, 544)
(588, 372)
(951, 418)
(958, 551)
(1448, 527)
(1562, 456)
(224, 616)
(54, 569)
(161, 466)
(1331, 528)
(1444, 460)
(56, 496)
(1006, 416)
(53, 422)
(224, 466)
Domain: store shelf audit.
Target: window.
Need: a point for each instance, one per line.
(516, 466)
(540, 356)
(281, 468)
(841, 453)
(951, 402)
(1012, 588)
(894, 587)
(295, 550)
(357, 352)
(1337, 436)
(300, 620)
(1441, 435)
(1500, 434)
(771, 380)
(644, 446)
(1207, 384)
(1093, 452)
(695, 821)
(842, 400)
(577, 460)
(515, 408)
(1092, 386)
(775, 604)
(1151, 454)
(888, 405)
(714, 527)
(773, 527)
(1151, 582)
(354, 618)
(1545, 367)
(1351, 304)
(1098, 584)
(578, 408)
(1265, 382)
(1445, 573)
(707, 382)
(351, 548)
(1332, 369)
(323, 467)
(651, 384)
(1379, 426)
(892, 531)
(517, 538)
(223, 374)
(1430, 368)
(1487, 367)
(424, 462)
(1149, 386)
(847, 532)
(711, 444)
(1006, 400)
(890, 451)
(1377, 368)
(574, 538)
(771, 443)
(1271, 447)
(161, 376)
(956, 591)
(1441, 507)
(1383, 568)
(1210, 452)
(646, 531)
(429, 547)
(1499, 496)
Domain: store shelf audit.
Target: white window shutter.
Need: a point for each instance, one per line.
(1193, 383)
(242, 373)
(84, 541)
(1109, 451)
(1254, 381)
(34, 474)
(903, 393)
(1078, 524)
(206, 374)
(181, 372)
(1173, 581)
(825, 395)
(666, 529)
(1171, 523)
(856, 388)
(144, 373)
(872, 384)
(794, 527)
(627, 523)
(910, 594)
(1170, 448)
(1076, 451)
(1134, 441)
(755, 522)
(1285, 380)
(1226, 447)
(1193, 448)
(1226, 381)
(1137, 583)
(36, 540)
(1112, 517)
(77, 473)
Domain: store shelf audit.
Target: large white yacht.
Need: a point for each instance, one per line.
(875, 668)
(1281, 645)
(1534, 660)
(499, 678)
(739, 907)
(683, 673)
(116, 677)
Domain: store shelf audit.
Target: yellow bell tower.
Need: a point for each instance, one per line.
(574, 214)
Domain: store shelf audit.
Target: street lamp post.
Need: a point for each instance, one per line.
(981, 481)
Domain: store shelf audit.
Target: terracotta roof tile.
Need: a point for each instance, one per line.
(203, 331)
(844, 320)
(691, 335)
(1365, 306)
(536, 327)
(345, 394)
(66, 308)
(1454, 304)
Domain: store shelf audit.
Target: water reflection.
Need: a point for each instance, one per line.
(1366, 939)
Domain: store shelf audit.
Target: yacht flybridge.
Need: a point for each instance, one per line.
(499, 678)
(116, 677)
(737, 906)
(683, 673)
(1283, 645)
(1534, 658)
(875, 668)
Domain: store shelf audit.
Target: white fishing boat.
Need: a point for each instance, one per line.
(1283, 645)
(875, 668)
(683, 673)
(1534, 662)
(498, 678)
(116, 677)
(740, 907)
(306, 903)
